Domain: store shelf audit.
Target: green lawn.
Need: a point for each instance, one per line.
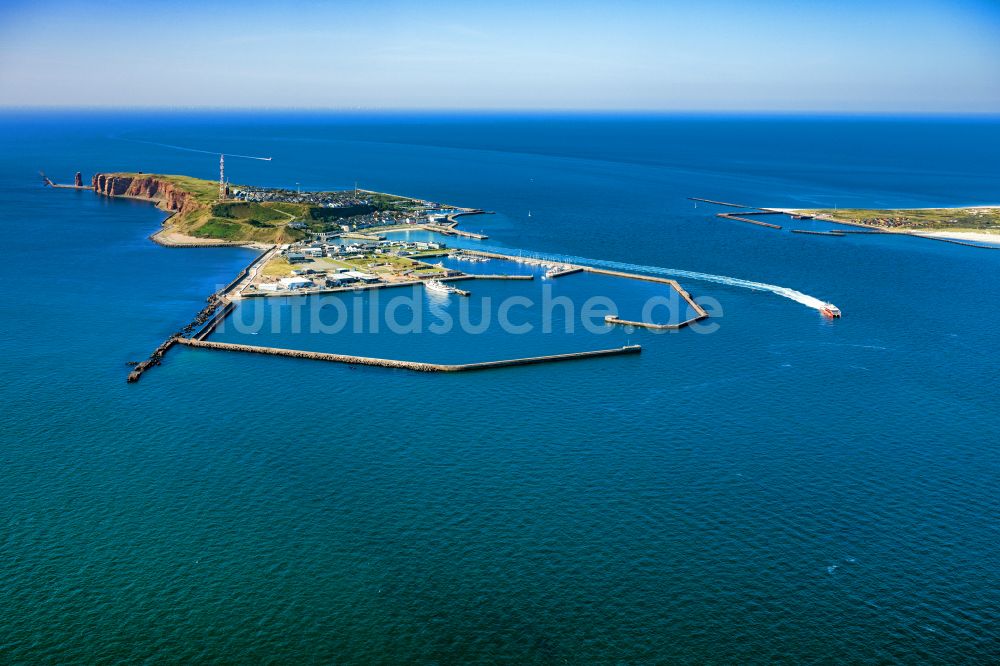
(977, 219)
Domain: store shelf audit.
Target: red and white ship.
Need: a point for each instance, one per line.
(830, 310)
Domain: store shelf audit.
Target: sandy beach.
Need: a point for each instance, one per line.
(965, 236)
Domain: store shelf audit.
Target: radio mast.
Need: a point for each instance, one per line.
(222, 177)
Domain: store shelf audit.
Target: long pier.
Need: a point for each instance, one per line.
(818, 233)
(720, 203)
(452, 231)
(700, 312)
(611, 319)
(730, 216)
(568, 271)
(406, 365)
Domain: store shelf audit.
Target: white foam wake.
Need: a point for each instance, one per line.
(197, 150)
(784, 292)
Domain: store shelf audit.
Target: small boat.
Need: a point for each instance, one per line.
(830, 310)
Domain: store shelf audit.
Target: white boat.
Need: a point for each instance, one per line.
(437, 286)
(830, 310)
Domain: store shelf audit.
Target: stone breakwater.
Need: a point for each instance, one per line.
(217, 308)
(154, 359)
(406, 365)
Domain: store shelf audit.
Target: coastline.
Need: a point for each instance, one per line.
(967, 236)
(961, 235)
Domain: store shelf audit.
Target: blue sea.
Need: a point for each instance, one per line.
(782, 488)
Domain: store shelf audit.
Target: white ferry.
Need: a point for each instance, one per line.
(830, 310)
(438, 286)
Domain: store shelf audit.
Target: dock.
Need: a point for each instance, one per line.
(407, 365)
(491, 276)
(334, 290)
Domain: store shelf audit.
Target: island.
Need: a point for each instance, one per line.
(330, 241)
(974, 226)
(202, 213)
(972, 223)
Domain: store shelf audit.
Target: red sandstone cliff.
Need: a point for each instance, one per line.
(167, 195)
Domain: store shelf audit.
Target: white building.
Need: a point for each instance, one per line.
(295, 283)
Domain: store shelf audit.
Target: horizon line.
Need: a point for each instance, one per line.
(505, 111)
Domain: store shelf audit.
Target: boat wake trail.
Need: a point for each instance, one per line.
(784, 292)
(197, 150)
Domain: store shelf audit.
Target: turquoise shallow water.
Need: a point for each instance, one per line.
(785, 488)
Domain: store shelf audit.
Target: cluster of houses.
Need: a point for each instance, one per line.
(344, 199)
(325, 199)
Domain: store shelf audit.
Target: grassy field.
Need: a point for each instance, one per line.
(929, 219)
(265, 222)
(230, 221)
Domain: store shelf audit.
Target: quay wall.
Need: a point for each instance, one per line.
(331, 290)
(245, 272)
(214, 322)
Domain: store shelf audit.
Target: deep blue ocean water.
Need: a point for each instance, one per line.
(785, 488)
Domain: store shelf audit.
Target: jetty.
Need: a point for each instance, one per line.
(818, 233)
(219, 306)
(77, 182)
(700, 312)
(406, 365)
(451, 231)
(564, 272)
(719, 203)
(730, 216)
(154, 359)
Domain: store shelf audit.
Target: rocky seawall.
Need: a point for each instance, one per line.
(165, 194)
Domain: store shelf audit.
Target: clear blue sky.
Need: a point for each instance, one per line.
(917, 56)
